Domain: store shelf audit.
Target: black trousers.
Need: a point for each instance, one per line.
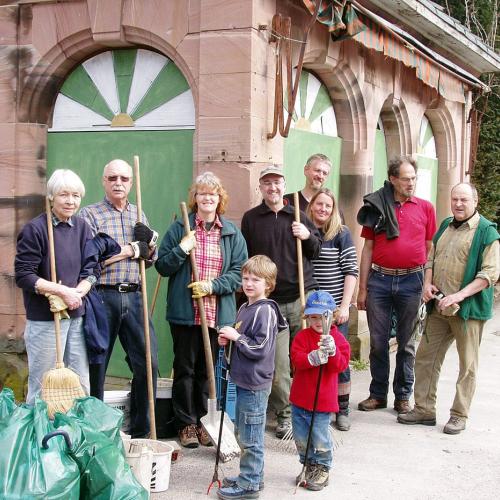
(190, 385)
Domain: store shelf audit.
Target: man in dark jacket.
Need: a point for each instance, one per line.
(463, 265)
(270, 229)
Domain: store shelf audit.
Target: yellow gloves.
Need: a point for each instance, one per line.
(58, 305)
(188, 242)
(201, 288)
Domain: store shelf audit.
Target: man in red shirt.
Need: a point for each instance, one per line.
(398, 228)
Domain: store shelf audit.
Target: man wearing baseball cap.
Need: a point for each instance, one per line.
(270, 229)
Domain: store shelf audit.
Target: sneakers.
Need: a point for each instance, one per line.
(317, 477)
(370, 404)
(283, 427)
(188, 436)
(236, 492)
(402, 406)
(413, 417)
(229, 482)
(203, 437)
(455, 425)
(342, 422)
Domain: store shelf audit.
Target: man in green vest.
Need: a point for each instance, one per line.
(463, 265)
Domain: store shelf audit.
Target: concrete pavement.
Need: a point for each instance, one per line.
(381, 459)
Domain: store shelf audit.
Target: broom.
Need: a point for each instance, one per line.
(60, 386)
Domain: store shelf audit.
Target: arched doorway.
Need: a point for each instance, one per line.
(118, 104)
(313, 130)
(427, 163)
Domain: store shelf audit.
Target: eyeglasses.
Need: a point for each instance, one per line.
(407, 180)
(114, 178)
(212, 195)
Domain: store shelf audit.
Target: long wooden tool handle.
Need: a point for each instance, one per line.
(145, 316)
(53, 278)
(300, 265)
(204, 327)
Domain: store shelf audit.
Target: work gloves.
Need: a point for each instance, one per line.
(141, 250)
(145, 234)
(327, 344)
(201, 288)
(318, 357)
(326, 348)
(57, 305)
(188, 242)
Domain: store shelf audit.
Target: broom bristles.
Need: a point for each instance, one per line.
(60, 387)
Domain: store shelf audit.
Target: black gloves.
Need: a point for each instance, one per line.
(144, 234)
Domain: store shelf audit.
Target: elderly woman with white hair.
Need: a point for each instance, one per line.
(65, 191)
(220, 252)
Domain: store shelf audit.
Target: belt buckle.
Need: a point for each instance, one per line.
(123, 287)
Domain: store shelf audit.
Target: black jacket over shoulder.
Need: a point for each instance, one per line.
(270, 233)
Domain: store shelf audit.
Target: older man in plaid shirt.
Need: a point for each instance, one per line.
(119, 286)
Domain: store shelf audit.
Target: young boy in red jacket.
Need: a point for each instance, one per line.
(311, 349)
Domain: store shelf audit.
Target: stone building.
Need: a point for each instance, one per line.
(189, 85)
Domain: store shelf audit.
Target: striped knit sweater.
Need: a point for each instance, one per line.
(336, 260)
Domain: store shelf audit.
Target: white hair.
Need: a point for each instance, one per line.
(63, 179)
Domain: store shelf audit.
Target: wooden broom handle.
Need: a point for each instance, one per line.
(204, 327)
(145, 315)
(53, 278)
(300, 265)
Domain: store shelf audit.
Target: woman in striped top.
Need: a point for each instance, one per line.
(336, 271)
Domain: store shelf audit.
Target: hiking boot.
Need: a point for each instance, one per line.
(283, 427)
(455, 425)
(203, 437)
(236, 492)
(229, 482)
(370, 404)
(413, 417)
(318, 478)
(307, 473)
(188, 437)
(342, 423)
(402, 406)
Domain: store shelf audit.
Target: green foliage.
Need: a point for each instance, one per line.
(359, 365)
(486, 175)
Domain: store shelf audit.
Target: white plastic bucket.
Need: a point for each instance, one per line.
(140, 458)
(121, 401)
(160, 468)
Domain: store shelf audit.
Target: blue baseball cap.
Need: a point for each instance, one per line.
(319, 302)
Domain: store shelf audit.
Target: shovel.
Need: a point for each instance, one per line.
(227, 444)
(300, 263)
(145, 316)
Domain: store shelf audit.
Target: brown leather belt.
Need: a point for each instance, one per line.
(396, 272)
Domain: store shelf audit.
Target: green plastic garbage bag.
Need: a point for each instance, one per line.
(105, 474)
(26, 470)
(7, 403)
(92, 412)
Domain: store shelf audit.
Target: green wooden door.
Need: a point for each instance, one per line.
(117, 105)
(314, 130)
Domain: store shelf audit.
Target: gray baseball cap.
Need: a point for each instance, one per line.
(272, 169)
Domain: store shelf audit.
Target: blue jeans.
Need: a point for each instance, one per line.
(40, 340)
(321, 447)
(250, 424)
(401, 295)
(124, 313)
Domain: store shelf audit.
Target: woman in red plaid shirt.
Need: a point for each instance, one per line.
(220, 252)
